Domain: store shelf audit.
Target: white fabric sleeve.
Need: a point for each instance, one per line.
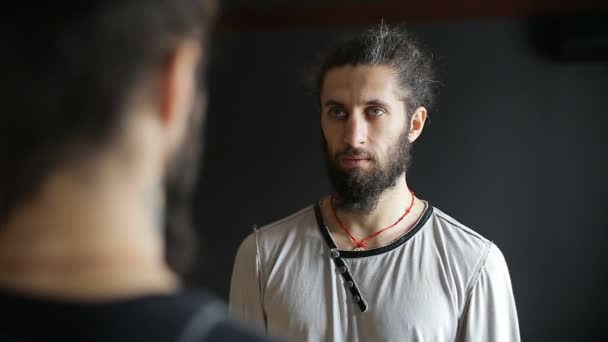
(246, 296)
(490, 314)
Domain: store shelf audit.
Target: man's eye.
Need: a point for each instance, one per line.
(375, 111)
(337, 113)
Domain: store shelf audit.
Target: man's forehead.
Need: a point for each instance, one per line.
(361, 83)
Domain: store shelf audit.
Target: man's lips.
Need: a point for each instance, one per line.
(354, 161)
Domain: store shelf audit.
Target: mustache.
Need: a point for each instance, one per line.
(354, 152)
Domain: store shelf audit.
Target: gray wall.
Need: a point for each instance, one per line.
(516, 150)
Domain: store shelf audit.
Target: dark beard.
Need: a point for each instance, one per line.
(181, 180)
(360, 191)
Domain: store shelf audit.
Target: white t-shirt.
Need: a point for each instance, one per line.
(439, 282)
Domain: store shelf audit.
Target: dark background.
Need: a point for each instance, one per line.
(516, 149)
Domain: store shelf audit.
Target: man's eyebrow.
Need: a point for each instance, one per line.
(377, 103)
(333, 103)
(373, 102)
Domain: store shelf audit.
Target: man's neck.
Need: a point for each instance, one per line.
(86, 239)
(391, 205)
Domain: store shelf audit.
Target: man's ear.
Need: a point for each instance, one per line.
(417, 123)
(178, 89)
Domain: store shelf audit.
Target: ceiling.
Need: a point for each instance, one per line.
(273, 15)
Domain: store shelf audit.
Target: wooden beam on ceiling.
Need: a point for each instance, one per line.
(355, 14)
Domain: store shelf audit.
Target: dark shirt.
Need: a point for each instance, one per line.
(184, 317)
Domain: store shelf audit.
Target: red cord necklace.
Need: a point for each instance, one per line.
(360, 244)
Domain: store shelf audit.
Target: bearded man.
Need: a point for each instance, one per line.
(371, 261)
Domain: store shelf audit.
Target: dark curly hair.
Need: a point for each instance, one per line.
(391, 45)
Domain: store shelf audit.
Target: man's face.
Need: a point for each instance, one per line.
(365, 130)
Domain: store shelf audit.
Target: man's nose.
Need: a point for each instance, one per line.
(355, 133)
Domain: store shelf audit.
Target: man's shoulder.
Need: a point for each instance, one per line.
(299, 222)
(186, 316)
(458, 243)
(291, 233)
(465, 252)
(456, 231)
(209, 322)
(301, 218)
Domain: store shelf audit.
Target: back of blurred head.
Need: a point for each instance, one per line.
(102, 102)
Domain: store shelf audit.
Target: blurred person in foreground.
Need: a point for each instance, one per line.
(101, 109)
(371, 261)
